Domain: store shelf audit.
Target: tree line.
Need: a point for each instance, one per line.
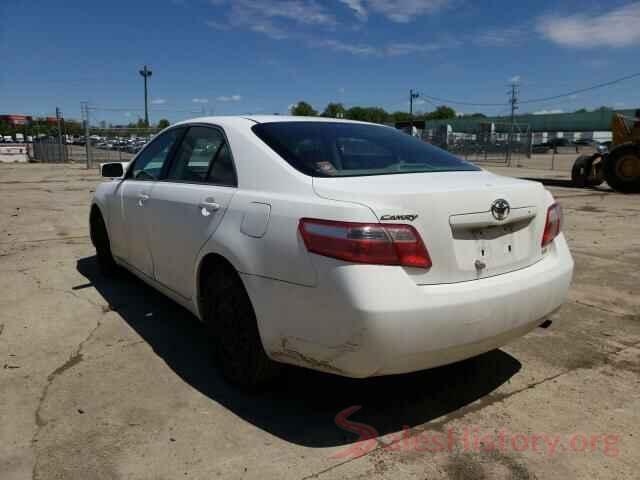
(380, 115)
(43, 127)
(372, 114)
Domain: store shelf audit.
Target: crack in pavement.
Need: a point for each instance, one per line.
(104, 307)
(74, 359)
(40, 240)
(602, 309)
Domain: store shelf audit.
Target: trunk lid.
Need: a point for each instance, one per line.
(454, 218)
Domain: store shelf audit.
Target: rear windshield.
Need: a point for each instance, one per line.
(332, 149)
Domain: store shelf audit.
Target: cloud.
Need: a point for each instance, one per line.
(404, 11)
(230, 98)
(217, 25)
(389, 50)
(276, 18)
(506, 37)
(617, 28)
(407, 48)
(158, 101)
(338, 46)
(271, 17)
(357, 7)
(200, 100)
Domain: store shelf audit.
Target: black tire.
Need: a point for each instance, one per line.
(580, 172)
(100, 240)
(622, 169)
(231, 320)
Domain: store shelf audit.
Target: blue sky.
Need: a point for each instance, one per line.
(260, 56)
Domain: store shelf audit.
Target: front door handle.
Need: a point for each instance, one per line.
(209, 204)
(143, 197)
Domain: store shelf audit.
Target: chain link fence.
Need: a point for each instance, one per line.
(493, 143)
(103, 145)
(500, 144)
(50, 150)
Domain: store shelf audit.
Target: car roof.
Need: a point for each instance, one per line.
(247, 120)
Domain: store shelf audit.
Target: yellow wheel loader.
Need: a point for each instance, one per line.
(620, 165)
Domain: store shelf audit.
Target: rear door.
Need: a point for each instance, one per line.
(189, 204)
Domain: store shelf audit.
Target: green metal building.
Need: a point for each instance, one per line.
(596, 121)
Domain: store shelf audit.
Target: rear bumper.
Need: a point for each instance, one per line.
(365, 320)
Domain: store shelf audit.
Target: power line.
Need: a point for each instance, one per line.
(115, 109)
(537, 100)
(582, 90)
(445, 100)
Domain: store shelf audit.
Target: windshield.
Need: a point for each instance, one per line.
(332, 149)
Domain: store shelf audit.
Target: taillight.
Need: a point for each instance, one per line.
(388, 244)
(552, 225)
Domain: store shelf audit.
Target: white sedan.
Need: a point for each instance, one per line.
(340, 246)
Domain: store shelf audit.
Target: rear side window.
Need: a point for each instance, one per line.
(332, 149)
(203, 157)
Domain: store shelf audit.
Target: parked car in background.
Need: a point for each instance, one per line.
(340, 246)
(551, 145)
(586, 142)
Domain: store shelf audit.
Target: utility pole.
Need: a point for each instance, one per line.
(146, 73)
(58, 117)
(513, 101)
(84, 108)
(412, 96)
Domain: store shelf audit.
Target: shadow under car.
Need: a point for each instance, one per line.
(302, 405)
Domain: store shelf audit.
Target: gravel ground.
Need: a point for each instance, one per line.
(110, 380)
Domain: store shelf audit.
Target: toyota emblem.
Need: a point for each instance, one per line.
(500, 209)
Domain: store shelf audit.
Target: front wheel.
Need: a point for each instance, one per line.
(100, 240)
(231, 321)
(622, 169)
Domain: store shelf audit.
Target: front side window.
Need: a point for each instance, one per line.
(148, 165)
(203, 157)
(333, 149)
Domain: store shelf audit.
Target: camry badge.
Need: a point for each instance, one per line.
(410, 218)
(500, 209)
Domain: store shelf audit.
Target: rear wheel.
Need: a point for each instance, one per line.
(229, 315)
(581, 173)
(622, 169)
(100, 240)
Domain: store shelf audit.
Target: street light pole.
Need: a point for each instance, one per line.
(60, 151)
(412, 96)
(513, 101)
(146, 73)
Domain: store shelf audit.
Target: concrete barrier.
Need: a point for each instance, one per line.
(14, 153)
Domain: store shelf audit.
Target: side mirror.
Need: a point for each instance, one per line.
(112, 170)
